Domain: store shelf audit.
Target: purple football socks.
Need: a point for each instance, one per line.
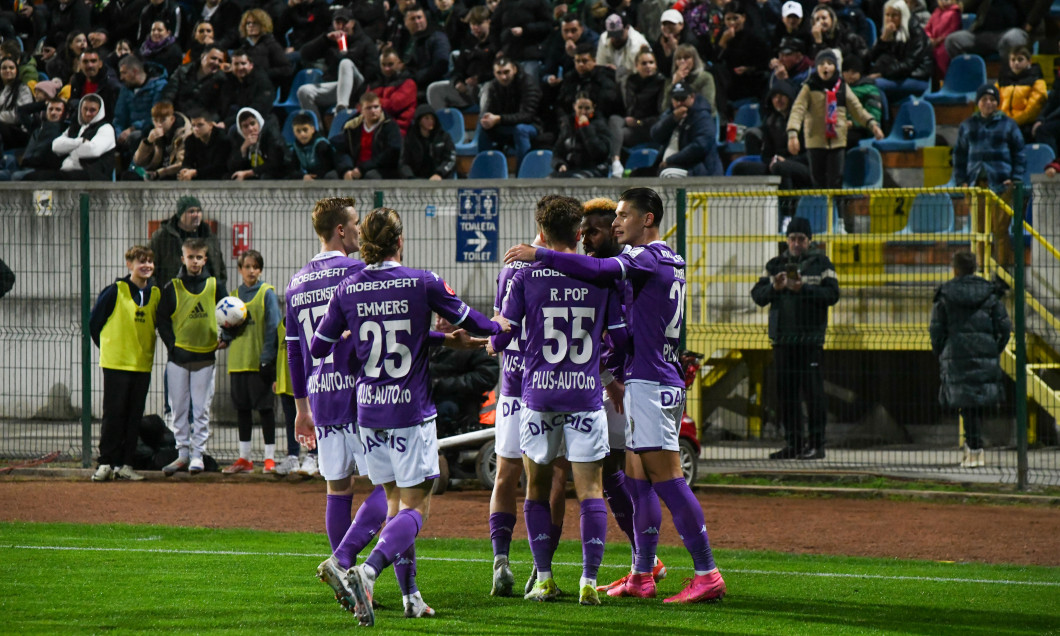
(647, 517)
(397, 536)
(338, 514)
(501, 526)
(365, 525)
(538, 518)
(594, 535)
(621, 503)
(688, 519)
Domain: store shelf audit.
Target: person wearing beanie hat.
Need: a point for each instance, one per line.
(821, 113)
(799, 286)
(186, 223)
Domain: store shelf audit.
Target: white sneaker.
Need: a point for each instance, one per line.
(104, 473)
(974, 458)
(361, 586)
(309, 466)
(330, 573)
(503, 579)
(287, 466)
(616, 169)
(126, 473)
(195, 466)
(416, 607)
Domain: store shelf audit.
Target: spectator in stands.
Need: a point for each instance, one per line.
(424, 51)
(584, 144)
(302, 21)
(509, 109)
(900, 62)
(799, 287)
(776, 158)
(792, 25)
(850, 15)
(944, 20)
(95, 77)
(560, 47)
(989, 146)
(472, 68)
(672, 34)
(969, 330)
(257, 150)
(38, 154)
(688, 136)
(64, 17)
(99, 39)
(373, 143)
(867, 93)
(206, 150)
(27, 64)
(743, 56)
(121, 49)
(122, 18)
(32, 114)
(349, 59)
(160, 155)
(132, 112)
(690, 71)
(197, 85)
(429, 151)
(245, 87)
(596, 81)
(619, 49)
(255, 30)
(643, 104)
(1052, 168)
(223, 16)
(828, 33)
(999, 26)
(820, 113)
(519, 30)
(203, 35)
(791, 63)
(161, 47)
(86, 148)
(1047, 128)
(1022, 88)
(371, 16)
(168, 11)
(315, 156)
(395, 30)
(63, 64)
(448, 18)
(396, 89)
(13, 95)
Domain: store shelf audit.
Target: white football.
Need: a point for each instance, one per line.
(230, 312)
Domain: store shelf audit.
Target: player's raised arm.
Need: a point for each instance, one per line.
(443, 300)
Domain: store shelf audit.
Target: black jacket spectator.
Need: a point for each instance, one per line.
(599, 83)
(267, 158)
(64, 18)
(268, 55)
(428, 57)
(303, 21)
(474, 61)
(38, 153)
(322, 53)
(516, 103)
(169, 12)
(191, 87)
(644, 96)
(122, 18)
(534, 17)
(746, 49)
(210, 158)
(386, 148)
(460, 381)
(108, 86)
(840, 37)
(254, 91)
(583, 150)
(426, 156)
(798, 318)
(168, 56)
(166, 242)
(911, 59)
(225, 22)
(370, 16)
(697, 150)
(451, 24)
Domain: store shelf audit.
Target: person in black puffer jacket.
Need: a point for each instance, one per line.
(460, 381)
(902, 60)
(584, 143)
(429, 151)
(969, 330)
(86, 148)
(828, 33)
(776, 159)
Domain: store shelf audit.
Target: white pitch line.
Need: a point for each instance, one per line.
(832, 575)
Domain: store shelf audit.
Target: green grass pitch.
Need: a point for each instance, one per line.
(81, 579)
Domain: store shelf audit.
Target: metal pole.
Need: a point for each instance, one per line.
(682, 248)
(86, 339)
(1021, 339)
(378, 199)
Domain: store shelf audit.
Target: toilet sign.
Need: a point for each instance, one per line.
(476, 225)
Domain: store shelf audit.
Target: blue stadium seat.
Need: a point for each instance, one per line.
(743, 159)
(918, 114)
(814, 208)
(964, 76)
(537, 164)
(469, 148)
(288, 124)
(340, 119)
(642, 158)
(301, 78)
(1038, 156)
(452, 122)
(871, 32)
(863, 168)
(930, 214)
(489, 164)
(748, 116)
(966, 21)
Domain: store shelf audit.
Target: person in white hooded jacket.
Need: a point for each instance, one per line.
(86, 148)
(258, 151)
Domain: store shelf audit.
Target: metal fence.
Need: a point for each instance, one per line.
(881, 378)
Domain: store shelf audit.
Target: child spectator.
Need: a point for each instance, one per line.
(123, 327)
(258, 151)
(283, 388)
(315, 156)
(820, 113)
(205, 150)
(867, 93)
(189, 331)
(583, 145)
(429, 150)
(945, 19)
(1022, 88)
(160, 154)
(252, 362)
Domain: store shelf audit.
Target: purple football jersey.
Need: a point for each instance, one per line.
(564, 319)
(387, 307)
(512, 357)
(328, 381)
(657, 277)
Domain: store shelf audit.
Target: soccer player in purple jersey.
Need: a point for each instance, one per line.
(633, 502)
(564, 320)
(326, 411)
(654, 387)
(387, 309)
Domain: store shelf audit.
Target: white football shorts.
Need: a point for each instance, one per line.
(542, 435)
(339, 451)
(407, 456)
(654, 413)
(506, 440)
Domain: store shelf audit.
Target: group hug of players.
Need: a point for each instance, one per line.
(589, 346)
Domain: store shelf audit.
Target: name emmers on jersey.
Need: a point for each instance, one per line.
(383, 308)
(562, 380)
(379, 395)
(378, 285)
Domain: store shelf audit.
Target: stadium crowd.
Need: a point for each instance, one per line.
(216, 89)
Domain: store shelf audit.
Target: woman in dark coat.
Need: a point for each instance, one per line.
(161, 48)
(584, 143)
(826, 32)
(969, 330)
(255, 31)
(901, 63)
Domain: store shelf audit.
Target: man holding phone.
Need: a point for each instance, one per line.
(799, 286)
